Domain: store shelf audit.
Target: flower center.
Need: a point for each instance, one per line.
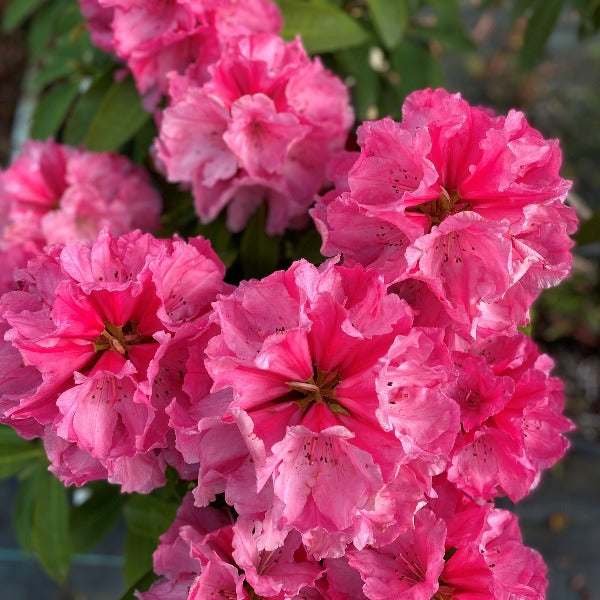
(318, 388)
(437, 210)
(120, 338)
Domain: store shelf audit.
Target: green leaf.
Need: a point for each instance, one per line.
(119, 117)
(259, 252)
(539, 28)
(50, 529)
(17, 454)
(449, 30)
(138, 556)
(148, 516)
(390, 18)
(41, 28)
(142, 584)
(589, 231)
(52, 110)
(416, 67)
(93, 519)
(366, 83)
(17, 12)
(86, 107)
(24, 509)
(323, 27)
(220, 238)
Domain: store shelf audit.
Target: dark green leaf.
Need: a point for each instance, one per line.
(25, 503)
(323, 27)
(390, 18)
(119, 117)
(92, 520)
(220, 238)
(17, 456)
(142, 584)
(259, 252)
(50, 530)
(365, 84)
(143, 141)
(308, 246)
(138, 556)
(449, 30)
(52, 110)
(17, 12)
(589, 231)
(416, 67)
(148, 516)
(86, 108)
(539, 27)
(42, 26)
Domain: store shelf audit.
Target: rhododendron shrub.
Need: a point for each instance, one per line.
(331, 432)
(261, 129)
(106, 326)
(54, 193)
(467, 203)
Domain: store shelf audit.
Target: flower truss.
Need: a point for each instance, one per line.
(342, 431)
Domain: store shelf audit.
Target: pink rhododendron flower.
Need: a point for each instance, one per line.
(57, 194)
(204, 555)
(107, 327)
(468, 203)
(512, 425)
(262, 128)
(155, 38)
(301, 351)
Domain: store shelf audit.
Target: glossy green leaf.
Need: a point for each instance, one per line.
(86, 107)
(390, 18)
(17, 12)
(119, 117)
(323, 27)
(52, 109)
(50, 530)
(416, 67)
(365, 83)
(93, 519)
(148, 516)
(539, 28)
(17, 453)
(138, 556)
(589, 231)
(42, 26)
(141, 585)
(259, 252)
(24, 509)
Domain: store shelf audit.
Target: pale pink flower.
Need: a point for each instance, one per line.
(202, 554)
(56, 194)
(157, 38)
(301, 351)
(262, 128)
(512, 425)
(468, 203)
(107, 326)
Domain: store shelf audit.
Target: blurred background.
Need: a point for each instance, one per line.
(540, 56)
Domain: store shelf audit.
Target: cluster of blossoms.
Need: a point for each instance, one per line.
(155, 39)
(249, 118)
(359, 417)
(57, 194)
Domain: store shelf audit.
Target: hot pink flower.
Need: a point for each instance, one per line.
(301, 350)
(57, 194)
(263, 127)
(468, 203)
(512, 426)
(107, 327)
